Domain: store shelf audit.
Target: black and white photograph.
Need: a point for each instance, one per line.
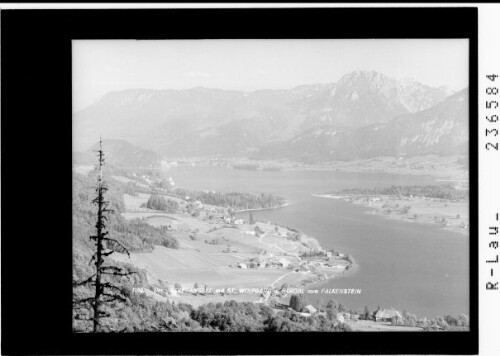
(271, 185)
(250, 179)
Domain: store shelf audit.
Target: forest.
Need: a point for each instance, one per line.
(444, 191)
(238, 201)
(159, 202)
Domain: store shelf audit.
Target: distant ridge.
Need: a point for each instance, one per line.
(229, 123)
(442, 130)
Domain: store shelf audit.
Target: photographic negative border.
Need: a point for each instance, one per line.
(37, 111)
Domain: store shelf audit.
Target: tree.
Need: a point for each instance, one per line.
(105, 291)
(297, 302)
(158, 202)
(331, 313)
(251, 219)
(366, 313)
(332, 304)
(463, 320)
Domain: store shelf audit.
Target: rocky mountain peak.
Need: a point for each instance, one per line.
(206, 121)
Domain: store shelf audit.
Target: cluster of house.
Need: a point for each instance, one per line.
(330, 260)
(302, 264)
(393, 316)
(216, 214)
(388, 315)
(340, 317)
(159, 185)
(265, 263)
(271, 293)
(144, 178)
(234, 220)
(198, 205)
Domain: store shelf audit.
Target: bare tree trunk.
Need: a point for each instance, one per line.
(105, 291)
(99, 260)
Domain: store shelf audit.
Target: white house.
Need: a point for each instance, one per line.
(198, 204)
(172, 291)
(388, 315)
(283, 262)
(340, 318)
(262, 264)
(310, 309)
(242, 265)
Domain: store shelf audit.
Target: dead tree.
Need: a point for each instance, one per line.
(105, 290)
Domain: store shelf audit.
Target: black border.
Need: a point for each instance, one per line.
(36, 184)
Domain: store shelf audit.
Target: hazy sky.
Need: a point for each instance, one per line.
(101, 66)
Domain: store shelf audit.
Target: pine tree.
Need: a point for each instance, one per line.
(104, 289)
(297, 302)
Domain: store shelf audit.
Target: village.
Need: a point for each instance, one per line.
(221, 250)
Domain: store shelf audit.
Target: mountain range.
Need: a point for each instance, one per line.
(364, 114)
(441, 130)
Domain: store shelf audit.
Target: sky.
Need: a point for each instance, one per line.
(101, 66)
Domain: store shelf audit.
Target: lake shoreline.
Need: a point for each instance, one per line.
(190, 178)
(260, 209)
(423, 210)
(279, 248)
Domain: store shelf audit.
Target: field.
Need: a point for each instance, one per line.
(187, 266)
(134, 203)
(368, 325)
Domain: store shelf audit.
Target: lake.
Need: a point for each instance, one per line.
(421, 268)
